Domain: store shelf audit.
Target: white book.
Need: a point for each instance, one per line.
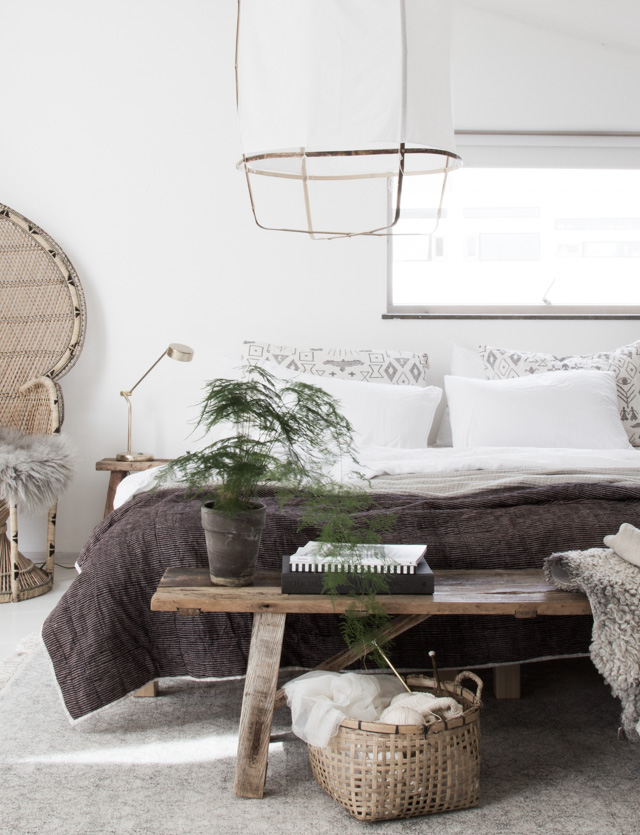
(394, 559)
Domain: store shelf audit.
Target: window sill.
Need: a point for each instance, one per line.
(437, 315)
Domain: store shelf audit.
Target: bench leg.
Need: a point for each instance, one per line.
(506, 681)
(258, 703)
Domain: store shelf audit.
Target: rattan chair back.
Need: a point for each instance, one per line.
(42, 328)
(42, 324)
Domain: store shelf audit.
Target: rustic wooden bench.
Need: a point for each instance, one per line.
(189, 592)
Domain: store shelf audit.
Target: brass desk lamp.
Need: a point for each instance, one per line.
(175, 351)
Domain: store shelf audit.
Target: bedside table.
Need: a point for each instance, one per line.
(120, 470)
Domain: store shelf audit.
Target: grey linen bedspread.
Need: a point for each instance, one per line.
(104, 641)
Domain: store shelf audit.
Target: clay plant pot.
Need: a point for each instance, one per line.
(233, 540)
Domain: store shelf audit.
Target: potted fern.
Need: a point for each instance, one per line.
(284, 434)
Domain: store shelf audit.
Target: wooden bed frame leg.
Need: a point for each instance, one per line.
(449, 675)
(506, 681)
(258, 703)
(149, 691)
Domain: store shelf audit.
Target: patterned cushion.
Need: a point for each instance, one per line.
(400, 368)
(504, 363)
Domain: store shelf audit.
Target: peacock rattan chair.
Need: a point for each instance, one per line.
(42, 327)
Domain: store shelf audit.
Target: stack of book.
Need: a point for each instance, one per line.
(404, 567)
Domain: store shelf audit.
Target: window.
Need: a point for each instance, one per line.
(520, 241)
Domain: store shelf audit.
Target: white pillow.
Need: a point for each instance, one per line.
(465, 362)
(573, 410)
(505, 363)
(381, 415)
(398, 368)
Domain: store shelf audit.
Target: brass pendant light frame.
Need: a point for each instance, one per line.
(401, 151)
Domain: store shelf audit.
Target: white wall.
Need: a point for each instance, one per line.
(119, 139)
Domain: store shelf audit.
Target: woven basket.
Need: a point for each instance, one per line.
(380, 772)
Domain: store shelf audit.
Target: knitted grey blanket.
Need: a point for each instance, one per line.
(613, 588)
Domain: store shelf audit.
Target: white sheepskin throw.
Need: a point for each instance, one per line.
(34, 469)
(613, 587)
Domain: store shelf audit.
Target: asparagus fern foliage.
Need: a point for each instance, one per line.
(289, 434)
(286, 434)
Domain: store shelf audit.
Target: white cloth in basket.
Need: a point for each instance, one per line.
(320, 700)
(425, 705)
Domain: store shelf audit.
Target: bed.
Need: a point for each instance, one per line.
(476, 506)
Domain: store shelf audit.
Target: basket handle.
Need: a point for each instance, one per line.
(473, 677)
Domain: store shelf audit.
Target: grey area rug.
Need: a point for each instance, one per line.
(551, 763)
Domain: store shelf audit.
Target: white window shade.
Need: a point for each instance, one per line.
(335, 98)
(569, 149)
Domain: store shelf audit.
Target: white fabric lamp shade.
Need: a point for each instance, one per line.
(336, 99)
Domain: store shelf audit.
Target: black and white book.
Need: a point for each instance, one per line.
(387, 559)
(404, 567)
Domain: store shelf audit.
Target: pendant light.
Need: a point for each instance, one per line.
(338, 100)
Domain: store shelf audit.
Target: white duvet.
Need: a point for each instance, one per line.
(378, 462)
(387, 461)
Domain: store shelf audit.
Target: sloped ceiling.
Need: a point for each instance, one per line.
(546, 65)
(610, 23)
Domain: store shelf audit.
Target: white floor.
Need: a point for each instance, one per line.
(17, 620)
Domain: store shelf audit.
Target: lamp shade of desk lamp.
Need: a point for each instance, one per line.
(176, 351)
